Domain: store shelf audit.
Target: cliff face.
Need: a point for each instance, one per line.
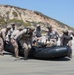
(28, 17)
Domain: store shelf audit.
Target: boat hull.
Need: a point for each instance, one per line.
(43, 52)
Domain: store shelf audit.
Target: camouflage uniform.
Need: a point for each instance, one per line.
(5, 33)
(26, 40)
(13, 28)
(1, 45)
(15, 45)
(66, 39)
(14, 42)
(52, 36)
(37, 32)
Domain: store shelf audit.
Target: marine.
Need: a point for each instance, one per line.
(15, 42)
(25, 39)
(52, 35)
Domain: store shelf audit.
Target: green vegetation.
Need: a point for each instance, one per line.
(7, 13)
(27, 24)
(34, 23)
(20, 22)
(15, 14)
(16, 21)
(2, 21)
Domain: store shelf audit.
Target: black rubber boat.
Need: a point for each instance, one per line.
(44, 52)
(53, 52)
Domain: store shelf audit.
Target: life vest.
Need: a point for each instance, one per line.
(52, 35)
(26, 35)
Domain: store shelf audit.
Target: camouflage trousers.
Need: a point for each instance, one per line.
(26, 44)
(67, 43)
(1, 46)
(70, 43)
(15, 45)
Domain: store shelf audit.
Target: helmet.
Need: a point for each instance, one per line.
(49, 27)
(12, 24)
(32, 28)
(21, 28)
(38, 25)
(8, 27)
(65, 30)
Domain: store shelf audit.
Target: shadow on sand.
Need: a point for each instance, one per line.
(31, 58)
(58, 59)
(61, 59)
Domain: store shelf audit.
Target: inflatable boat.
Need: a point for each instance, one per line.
(51, 52)
(44, 52)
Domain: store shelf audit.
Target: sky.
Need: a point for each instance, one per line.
(61, 10)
